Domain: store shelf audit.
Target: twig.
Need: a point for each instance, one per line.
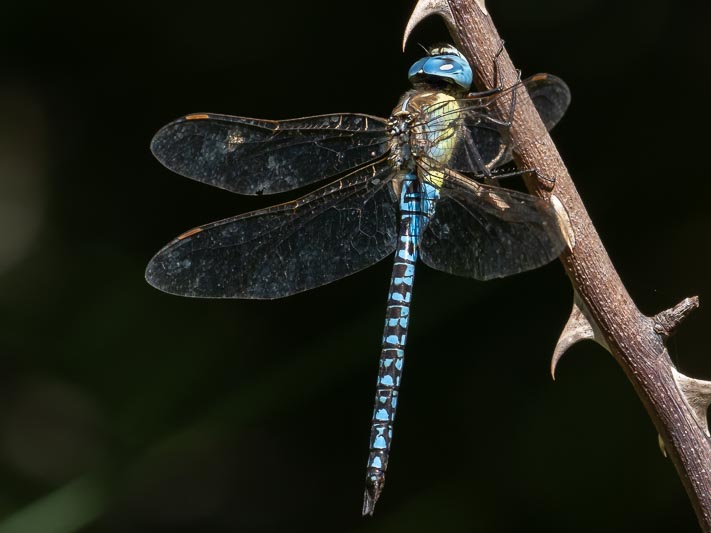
(603, 310)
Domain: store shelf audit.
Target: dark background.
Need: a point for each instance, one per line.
(123, 409)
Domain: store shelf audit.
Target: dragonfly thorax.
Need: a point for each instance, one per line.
(423, 129)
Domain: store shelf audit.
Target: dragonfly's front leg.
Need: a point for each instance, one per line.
(498, 82)
(498, 88)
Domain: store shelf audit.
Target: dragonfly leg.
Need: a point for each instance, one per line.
(498, 82)
(499, 87)
(498, 174)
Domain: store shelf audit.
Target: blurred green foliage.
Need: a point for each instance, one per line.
(123, 409)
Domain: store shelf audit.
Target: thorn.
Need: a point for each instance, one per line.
(666, 322)
(424, 9)
(697, 394)
(566, 227)
(662, 447)
(579, 327)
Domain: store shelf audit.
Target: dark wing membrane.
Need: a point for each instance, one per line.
(288, 248)
(480, 125)
(484, 232)
(550, 95)
(252, 156)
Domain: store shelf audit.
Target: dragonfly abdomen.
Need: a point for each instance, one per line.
(417, 203)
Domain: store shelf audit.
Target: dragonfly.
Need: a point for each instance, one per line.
(421, 184)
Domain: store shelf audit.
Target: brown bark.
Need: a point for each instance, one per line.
(675, 403)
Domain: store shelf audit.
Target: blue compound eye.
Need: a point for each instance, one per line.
(447, 68)
(416, 68)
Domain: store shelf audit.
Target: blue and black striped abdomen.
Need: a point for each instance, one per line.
(417, 201)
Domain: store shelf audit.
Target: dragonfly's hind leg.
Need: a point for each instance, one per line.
(497, 174)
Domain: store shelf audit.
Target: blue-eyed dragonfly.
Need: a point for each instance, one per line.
(420, 184)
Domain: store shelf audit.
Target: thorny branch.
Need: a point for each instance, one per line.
(602, 310)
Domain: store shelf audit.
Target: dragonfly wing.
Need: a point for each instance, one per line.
(550, 96)
(484, 232)
(331, 233)
(252, 156)
(480, 128)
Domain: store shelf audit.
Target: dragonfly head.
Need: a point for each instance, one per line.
(444, 67)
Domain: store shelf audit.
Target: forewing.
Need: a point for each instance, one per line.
(484, 232)
(275, 252)
(252, 156)
(551, 97)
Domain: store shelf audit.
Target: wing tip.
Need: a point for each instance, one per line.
(166, 141)
(158, 277)
(151, 276)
